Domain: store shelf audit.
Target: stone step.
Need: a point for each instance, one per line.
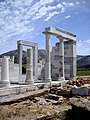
(52, 96)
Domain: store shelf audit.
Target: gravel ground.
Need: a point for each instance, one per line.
(34, 109)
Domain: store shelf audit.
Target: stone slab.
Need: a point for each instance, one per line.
(19, 93)
(16, 89)
(83, 91)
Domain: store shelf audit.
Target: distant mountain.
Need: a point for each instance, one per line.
(41, 55)
(82, 61)
(15, 54)
(79, 57)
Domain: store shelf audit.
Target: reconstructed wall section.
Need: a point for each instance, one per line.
(69, 58)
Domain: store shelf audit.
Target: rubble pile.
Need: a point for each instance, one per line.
(60, 91)
(45, 107)
(52, 104)
(79, 82)
(79, 87)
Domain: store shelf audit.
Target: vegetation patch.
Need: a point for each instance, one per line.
(83, 71)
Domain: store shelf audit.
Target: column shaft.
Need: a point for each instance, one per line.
(5, 72)
(61, 60)
(74, 59)
(48, 59)
(20, 62)
(35, 61)
(29, 67)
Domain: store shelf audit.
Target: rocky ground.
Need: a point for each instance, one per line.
(56, 104)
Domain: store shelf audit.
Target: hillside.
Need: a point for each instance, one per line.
(79, 57)
(82, 61)
(41, 55)
(15, 53)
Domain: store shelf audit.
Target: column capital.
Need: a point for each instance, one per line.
(60, 37)
(19, 42)
(46, 33)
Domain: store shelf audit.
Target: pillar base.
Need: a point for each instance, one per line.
(61, 79)
(74, 78)
(48, 80)
(29, 82)
(21, 82)
(4, 83)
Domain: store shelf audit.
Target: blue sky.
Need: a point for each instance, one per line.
(27, 19)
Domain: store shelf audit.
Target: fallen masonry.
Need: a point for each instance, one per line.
(42, 104)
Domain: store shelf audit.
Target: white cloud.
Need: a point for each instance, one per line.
(43, 11)
(83, 2)
(59, 6)
(68, 16)
(67, 4)
(79, 43)
(77, 3)
(64, 3)
(46, 1)
(17, 17)
(71, 4)
(88, 41)
(63, 10)
(50, 15)
(51, 8)
(83, 47)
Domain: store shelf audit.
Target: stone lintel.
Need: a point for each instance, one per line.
(60, 33)
(27, 43)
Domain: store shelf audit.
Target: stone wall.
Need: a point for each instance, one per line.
(69, 58)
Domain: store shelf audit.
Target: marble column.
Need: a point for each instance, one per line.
(74, 60)
(48, 59)
(5, 72)
(20, 62)
(29, 67)
(35, 61)
(61, 60)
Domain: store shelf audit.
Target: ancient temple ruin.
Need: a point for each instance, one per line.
(32, 60)
(60, 63)
(47, 84)
(69, 58)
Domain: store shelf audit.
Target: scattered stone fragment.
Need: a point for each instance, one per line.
(52, 96)
(63, 92)
(42, 101)
(83, 91)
